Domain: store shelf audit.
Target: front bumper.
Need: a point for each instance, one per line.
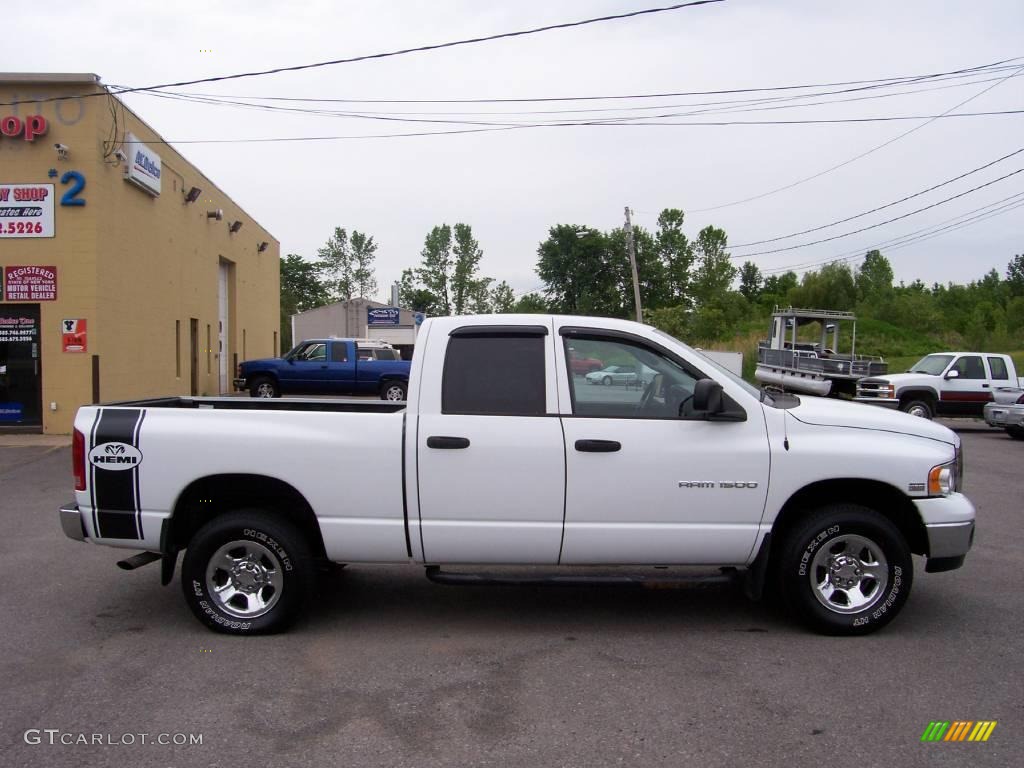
(1004, 415)
(71, 522)
(884, 402)
(949, 522)
(239, 384)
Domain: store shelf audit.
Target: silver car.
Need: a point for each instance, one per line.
(1007, 411)
(614, 374)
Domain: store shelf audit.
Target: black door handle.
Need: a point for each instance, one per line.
(985, 386)
(447, 442)
(598, 446)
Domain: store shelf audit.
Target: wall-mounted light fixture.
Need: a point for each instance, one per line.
(62, 151)
(193, 194)
(262, 246)
(218, 214)
(234, 226)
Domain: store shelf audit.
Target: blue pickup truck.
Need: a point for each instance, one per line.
(328, 367)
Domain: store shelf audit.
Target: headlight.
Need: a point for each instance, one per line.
(947, 478)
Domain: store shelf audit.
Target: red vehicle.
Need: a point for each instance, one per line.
(581, 366)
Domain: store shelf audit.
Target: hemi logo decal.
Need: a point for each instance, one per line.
(958, 730)
(114, 461)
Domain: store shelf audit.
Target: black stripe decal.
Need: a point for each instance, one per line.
(92, 473)
(114, 490)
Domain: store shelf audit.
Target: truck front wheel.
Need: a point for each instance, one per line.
(845, 570)
(246, 573)
(1017, 433)
(263, 386)
(920, 408)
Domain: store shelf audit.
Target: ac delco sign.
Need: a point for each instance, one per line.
(13, 126)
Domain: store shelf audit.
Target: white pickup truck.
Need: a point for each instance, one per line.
(942, 384)
(503, 457)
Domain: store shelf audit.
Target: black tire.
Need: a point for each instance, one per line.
(831, 551)
(394, 390)
(1017, 433)
(922, 408)
(607, 381)
(266, 551)
(264, 386)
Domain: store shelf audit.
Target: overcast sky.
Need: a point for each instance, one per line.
(511, 186)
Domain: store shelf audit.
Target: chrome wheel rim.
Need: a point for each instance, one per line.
(394, 393)
(849, 574)
(918, 410)
(265, 389)
(244, 578)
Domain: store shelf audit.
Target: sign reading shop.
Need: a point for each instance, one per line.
(26, 210)
(144, 166)
(376, 316)
(30, 283)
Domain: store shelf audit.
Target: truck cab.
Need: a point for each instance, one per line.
(942, 384)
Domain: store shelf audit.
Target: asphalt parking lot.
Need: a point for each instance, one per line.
(392, 670)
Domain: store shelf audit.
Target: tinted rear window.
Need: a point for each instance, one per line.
(494, 375)
(998, 367)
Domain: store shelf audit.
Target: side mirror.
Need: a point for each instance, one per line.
(954, 374)
(707, 397)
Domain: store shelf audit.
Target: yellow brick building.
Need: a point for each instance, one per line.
(126, 272)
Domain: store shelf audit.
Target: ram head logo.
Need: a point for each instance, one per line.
(114, 450)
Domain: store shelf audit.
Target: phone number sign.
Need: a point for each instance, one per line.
(30, 283)
(26, 210)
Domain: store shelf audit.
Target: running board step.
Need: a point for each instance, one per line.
(139, 560)
(650, 581)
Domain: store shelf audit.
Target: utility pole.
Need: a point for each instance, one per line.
(632, 261)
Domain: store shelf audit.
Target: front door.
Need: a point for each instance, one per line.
(490, 457)
(20, 366)
(647, 481)
(966, 393)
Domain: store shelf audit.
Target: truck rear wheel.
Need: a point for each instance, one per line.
(246, 573)
(845, 570)
(393, 390)
(1017, 433)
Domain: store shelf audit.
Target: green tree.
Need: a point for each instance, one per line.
(874, 276)
(503, 300)
(1015, 275)
(530, 304)
(676, 254)
(348, 264)
(466, 288)
(578, 278)
(413, 296)
(715, 271)
(750, 281)
(302, 288)
(831, 287)
(435, 271)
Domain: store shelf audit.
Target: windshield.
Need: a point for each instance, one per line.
(933, 365)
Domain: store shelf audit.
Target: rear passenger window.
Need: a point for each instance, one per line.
(494, 375)
(998, 367)
(339, 353)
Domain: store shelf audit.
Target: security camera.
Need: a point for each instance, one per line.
(62, 151)
(121, 155)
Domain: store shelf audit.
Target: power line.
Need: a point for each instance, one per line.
(862, 155)
(882, 223)
(904, 79)
(881, 207)
(990, 210)
(390, 54)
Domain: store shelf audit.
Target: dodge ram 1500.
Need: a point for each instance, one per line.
(502, 457)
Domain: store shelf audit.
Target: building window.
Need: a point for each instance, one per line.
(275, 351)
(177, 348)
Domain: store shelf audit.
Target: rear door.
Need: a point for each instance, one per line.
(490, 456)
(341, 368)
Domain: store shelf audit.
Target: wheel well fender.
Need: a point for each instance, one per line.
(883, 498)
(918, 393)
(214, 495)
